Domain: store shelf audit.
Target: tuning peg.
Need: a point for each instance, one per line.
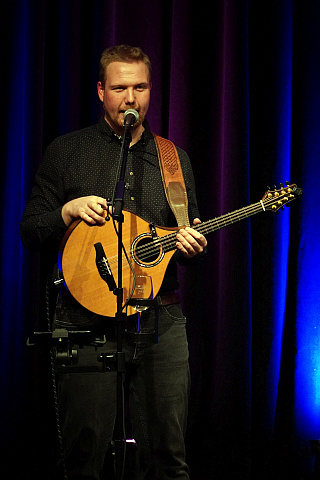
(268, 187)
(287, 183)
(281, 185)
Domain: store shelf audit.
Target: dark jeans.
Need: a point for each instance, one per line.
(158, 397)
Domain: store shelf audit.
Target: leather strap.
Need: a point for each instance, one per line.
(169, 298)
(173, 180)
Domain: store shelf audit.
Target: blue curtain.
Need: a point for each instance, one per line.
(237, 86)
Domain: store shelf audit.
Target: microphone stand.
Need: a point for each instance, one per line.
(121, 317)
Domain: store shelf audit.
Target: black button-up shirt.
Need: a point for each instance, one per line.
(86, 162)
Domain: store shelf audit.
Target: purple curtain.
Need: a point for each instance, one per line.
(236, 84)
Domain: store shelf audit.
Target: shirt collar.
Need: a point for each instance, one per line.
(106, 130)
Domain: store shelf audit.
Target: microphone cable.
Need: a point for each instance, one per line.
(61, 459)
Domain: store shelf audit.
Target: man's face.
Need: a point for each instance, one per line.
(127, 86)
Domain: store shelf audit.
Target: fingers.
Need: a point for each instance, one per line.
(98, 203)
(191, 242)
(91, 209)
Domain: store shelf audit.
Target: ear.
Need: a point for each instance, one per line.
(100, 90)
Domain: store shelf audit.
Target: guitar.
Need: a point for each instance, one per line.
(88, 254)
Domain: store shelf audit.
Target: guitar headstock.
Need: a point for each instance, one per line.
(278, 198)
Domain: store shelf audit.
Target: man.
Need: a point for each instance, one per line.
(77, 175)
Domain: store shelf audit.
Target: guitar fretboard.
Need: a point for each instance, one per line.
(271, 201)
(169, 241)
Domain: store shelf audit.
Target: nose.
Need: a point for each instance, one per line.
(130, 96)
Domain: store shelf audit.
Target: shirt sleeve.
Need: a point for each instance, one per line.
(42, 218)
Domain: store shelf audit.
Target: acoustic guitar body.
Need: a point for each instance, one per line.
(143, 245)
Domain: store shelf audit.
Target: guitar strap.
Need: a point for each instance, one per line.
(173, 181)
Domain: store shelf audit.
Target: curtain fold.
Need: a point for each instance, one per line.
(237, 86)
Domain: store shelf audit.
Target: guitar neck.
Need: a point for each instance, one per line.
(169, 241)
(229, 218)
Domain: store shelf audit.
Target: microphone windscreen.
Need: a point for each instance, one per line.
(130, 117)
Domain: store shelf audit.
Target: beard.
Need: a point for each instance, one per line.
(137, 122)
(117, 122)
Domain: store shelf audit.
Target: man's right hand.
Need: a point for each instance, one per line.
(91, 209)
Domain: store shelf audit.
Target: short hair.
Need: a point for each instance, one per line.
(122, 53)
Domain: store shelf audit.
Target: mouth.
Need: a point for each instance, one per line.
(122, 112)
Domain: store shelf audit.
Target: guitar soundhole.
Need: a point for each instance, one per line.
(146, 251)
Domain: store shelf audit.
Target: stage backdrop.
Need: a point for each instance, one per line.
(236, 84)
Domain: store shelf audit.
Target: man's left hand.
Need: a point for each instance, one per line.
(190, 242)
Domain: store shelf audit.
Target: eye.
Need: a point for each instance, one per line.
(118, 88)
(141, 87)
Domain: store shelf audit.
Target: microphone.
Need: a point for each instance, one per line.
(130, 117)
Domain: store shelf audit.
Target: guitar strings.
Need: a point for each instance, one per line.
(167, 243)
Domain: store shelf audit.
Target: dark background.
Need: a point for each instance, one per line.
(237, 85)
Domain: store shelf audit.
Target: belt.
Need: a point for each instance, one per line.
(169, 298)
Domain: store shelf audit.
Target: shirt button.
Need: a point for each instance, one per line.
(132, 198)
(131, 174)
